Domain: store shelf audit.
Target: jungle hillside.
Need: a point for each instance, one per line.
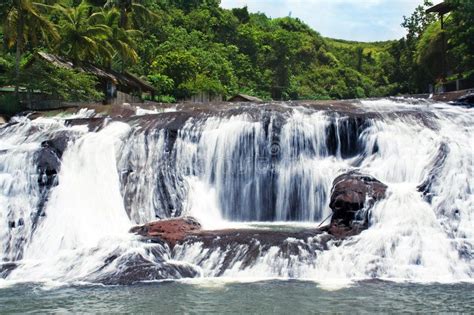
(183, 47)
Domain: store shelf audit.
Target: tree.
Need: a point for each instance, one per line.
(120, 39)
(418, 21)
(128, 8)
(429, 52)
(65, 84)
(24, 22)
(84, 35)
(461, 34)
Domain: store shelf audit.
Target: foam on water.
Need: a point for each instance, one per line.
(241, 171)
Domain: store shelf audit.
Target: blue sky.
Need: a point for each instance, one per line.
(361, 20)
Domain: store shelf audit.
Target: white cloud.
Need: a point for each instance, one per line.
(365, 20)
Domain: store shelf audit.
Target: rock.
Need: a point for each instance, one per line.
(467, 99)
(243, 248)
(436, 166)
(133, 268)
(48, 164)
(169, 230)
(58, 144)
(352, 195)
(6, 268)
(48, 159)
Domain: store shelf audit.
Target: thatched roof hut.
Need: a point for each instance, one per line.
(118, 87)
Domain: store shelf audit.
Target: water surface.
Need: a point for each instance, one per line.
(209, 296)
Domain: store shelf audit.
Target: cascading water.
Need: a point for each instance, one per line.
(248, 165)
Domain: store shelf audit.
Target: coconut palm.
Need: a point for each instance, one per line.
(119, 38)
(84, 36)
(131, 8)
(23, 22)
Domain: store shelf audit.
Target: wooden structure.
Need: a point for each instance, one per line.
(441, 9)
(244, 98)
(118, 88)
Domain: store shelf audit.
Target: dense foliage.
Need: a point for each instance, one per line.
(187, 46)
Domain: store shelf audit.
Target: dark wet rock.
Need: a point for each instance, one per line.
(93, 124)
(267, 237)
(467, 99)
(343, 135)
(48, 161)
(235, 248)
(58, 144)
(6, 269)
(352, 196)
(48, 164)
(48, 158)
(436, 165)
(244, 248)
(134, 268)
(169, 230)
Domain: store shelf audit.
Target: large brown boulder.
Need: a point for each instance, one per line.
(171, 231)
(352, 196)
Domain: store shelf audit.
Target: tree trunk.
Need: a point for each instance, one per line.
(123, 18)
(19, 45)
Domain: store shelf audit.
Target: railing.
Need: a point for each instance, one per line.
(452, 86)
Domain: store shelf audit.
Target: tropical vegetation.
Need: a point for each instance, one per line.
(184, 47)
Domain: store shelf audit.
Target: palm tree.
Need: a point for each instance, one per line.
(120, 39)
(23, 22)
(83, 35)
(130, 8)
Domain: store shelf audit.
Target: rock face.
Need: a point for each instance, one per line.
(48, 158)
(352, 195)
(436, 166)
(133, 268)
(6, 269)
(170, 230)
(48, 164)
(467, 99)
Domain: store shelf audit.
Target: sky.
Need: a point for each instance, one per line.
(360, 20)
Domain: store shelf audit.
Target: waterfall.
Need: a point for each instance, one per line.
(66, 209)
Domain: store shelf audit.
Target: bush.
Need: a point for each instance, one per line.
(65, 84)
(9, 105)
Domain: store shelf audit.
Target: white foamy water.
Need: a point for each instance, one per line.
(243, 171)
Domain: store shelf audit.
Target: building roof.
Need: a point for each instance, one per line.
(125, 79)
(245, 98)
(441, 8)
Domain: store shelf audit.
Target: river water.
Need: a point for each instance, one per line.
(224, 297)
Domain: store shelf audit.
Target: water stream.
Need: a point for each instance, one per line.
(270, 166)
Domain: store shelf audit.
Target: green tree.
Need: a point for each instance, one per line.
(84, 35)
(429, 52)
(24, 22)
(132, 13)
(64, 84)
(416, 23)
(120, 39)
(461, 34)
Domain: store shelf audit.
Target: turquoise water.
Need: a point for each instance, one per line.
(266, 297)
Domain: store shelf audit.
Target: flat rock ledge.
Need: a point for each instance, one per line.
(353, 194)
